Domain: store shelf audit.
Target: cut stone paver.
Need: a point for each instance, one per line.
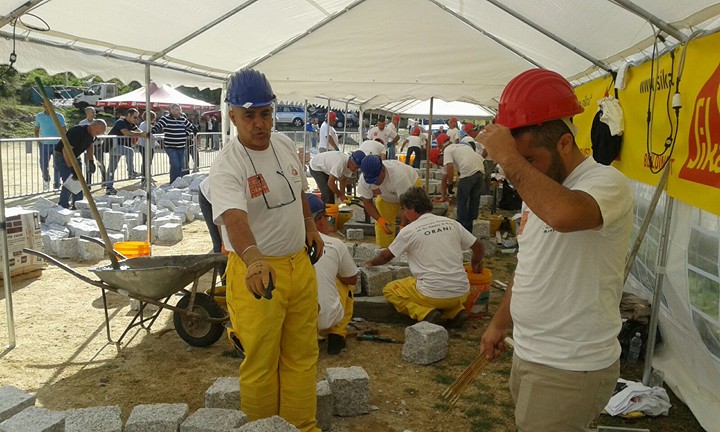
(13, 400)
(34, 419)
(351, 390)
(224, 393)
(214, 420)
(425, 343)
(272, 424)
(156, 418)
(95, 419)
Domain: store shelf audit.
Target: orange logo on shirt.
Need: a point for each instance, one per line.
(257, 185)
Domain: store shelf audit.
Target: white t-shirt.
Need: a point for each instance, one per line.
(332, 163)
(567, 286)
(234, 185)
(434, 246)
(398, 178)
(464, 159)
(386, 135)
(372, 147)
(414, 141)
(454, 135)
(324, 136)
(142, 141)
(336, 260)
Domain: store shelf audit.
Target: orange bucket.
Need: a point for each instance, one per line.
(332, 210)
(133, 249)
(476, 304)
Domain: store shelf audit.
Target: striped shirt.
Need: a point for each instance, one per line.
(176, 130)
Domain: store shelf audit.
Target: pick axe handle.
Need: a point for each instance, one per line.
(67, 150)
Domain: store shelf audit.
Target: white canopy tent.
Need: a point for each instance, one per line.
(369, 51)
(372, 54)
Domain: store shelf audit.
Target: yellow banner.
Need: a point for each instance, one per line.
(688, 138)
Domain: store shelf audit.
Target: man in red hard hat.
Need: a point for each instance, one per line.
(388, 136)
(257, 190)
(328, 135)
(563, 302)
(453, 131)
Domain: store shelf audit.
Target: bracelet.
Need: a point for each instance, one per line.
(310, 217)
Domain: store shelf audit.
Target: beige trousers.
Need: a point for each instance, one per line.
(555, 400)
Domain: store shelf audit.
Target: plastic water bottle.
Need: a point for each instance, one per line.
(635, 347)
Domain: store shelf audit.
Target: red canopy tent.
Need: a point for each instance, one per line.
(161, 97)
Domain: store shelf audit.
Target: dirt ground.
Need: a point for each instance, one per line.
(62, 356)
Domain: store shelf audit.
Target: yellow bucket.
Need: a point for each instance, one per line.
(476, 304)
(343, 216)
(332, 211)
(132, 249)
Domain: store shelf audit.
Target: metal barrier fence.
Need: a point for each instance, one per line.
(27, 162)
(24, 159)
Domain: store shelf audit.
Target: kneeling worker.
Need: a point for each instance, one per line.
(388, 180)
(336, 275)
(330, 167)
(434, 245)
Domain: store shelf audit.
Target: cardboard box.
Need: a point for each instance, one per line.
(23, 230)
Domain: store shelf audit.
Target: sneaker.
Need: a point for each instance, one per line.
(111, 191)
(336, 343)
(459, 320)
(435, 317)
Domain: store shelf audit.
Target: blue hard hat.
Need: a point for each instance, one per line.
(249, 88)
(371, 167)
(357, 157)
(316, 204)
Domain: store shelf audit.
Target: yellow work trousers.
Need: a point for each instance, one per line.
(279, 337)
(346, 299)
(390, 212)
(408, 301)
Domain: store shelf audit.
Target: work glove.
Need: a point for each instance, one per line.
(384, 225)
(313, 241)
(91, 167)
(260, 275)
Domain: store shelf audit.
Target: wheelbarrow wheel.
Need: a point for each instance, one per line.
(197, 331)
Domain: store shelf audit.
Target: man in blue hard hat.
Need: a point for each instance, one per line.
(337, 274)
(330, 168)
(386, 181)
(257, 185)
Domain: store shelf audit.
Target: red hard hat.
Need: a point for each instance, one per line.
(454, 119)
(442, 138)
(332, 115)
(396, 117)
(434, 155)
(469, 127)
(415, 131)
(534, 97)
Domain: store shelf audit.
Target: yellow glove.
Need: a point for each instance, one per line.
(385, 225)
(260, 276)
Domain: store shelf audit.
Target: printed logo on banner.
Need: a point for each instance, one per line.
(703, 161)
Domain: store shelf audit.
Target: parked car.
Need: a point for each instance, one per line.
(436, 124)
(289, 115)
(319, 113)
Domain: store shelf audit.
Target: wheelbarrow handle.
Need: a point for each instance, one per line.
(64, 267)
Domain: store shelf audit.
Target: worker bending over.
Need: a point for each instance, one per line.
(470, 185)
(386, 180)
(330, 168)
(337, 275)
(257, 186)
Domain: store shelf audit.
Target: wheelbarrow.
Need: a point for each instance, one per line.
(197, 318)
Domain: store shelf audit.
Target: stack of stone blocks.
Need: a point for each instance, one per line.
(124, 216)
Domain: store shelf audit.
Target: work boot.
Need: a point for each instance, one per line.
(459, 320)
(435, 317)
(336, 343)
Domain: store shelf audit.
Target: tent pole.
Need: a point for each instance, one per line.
(305, 134)
(6, 269)
(224, 117)
(149, 148)
(345, 126)
(427, 148)
(657, 22)
(646, 221)
(659, 280)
